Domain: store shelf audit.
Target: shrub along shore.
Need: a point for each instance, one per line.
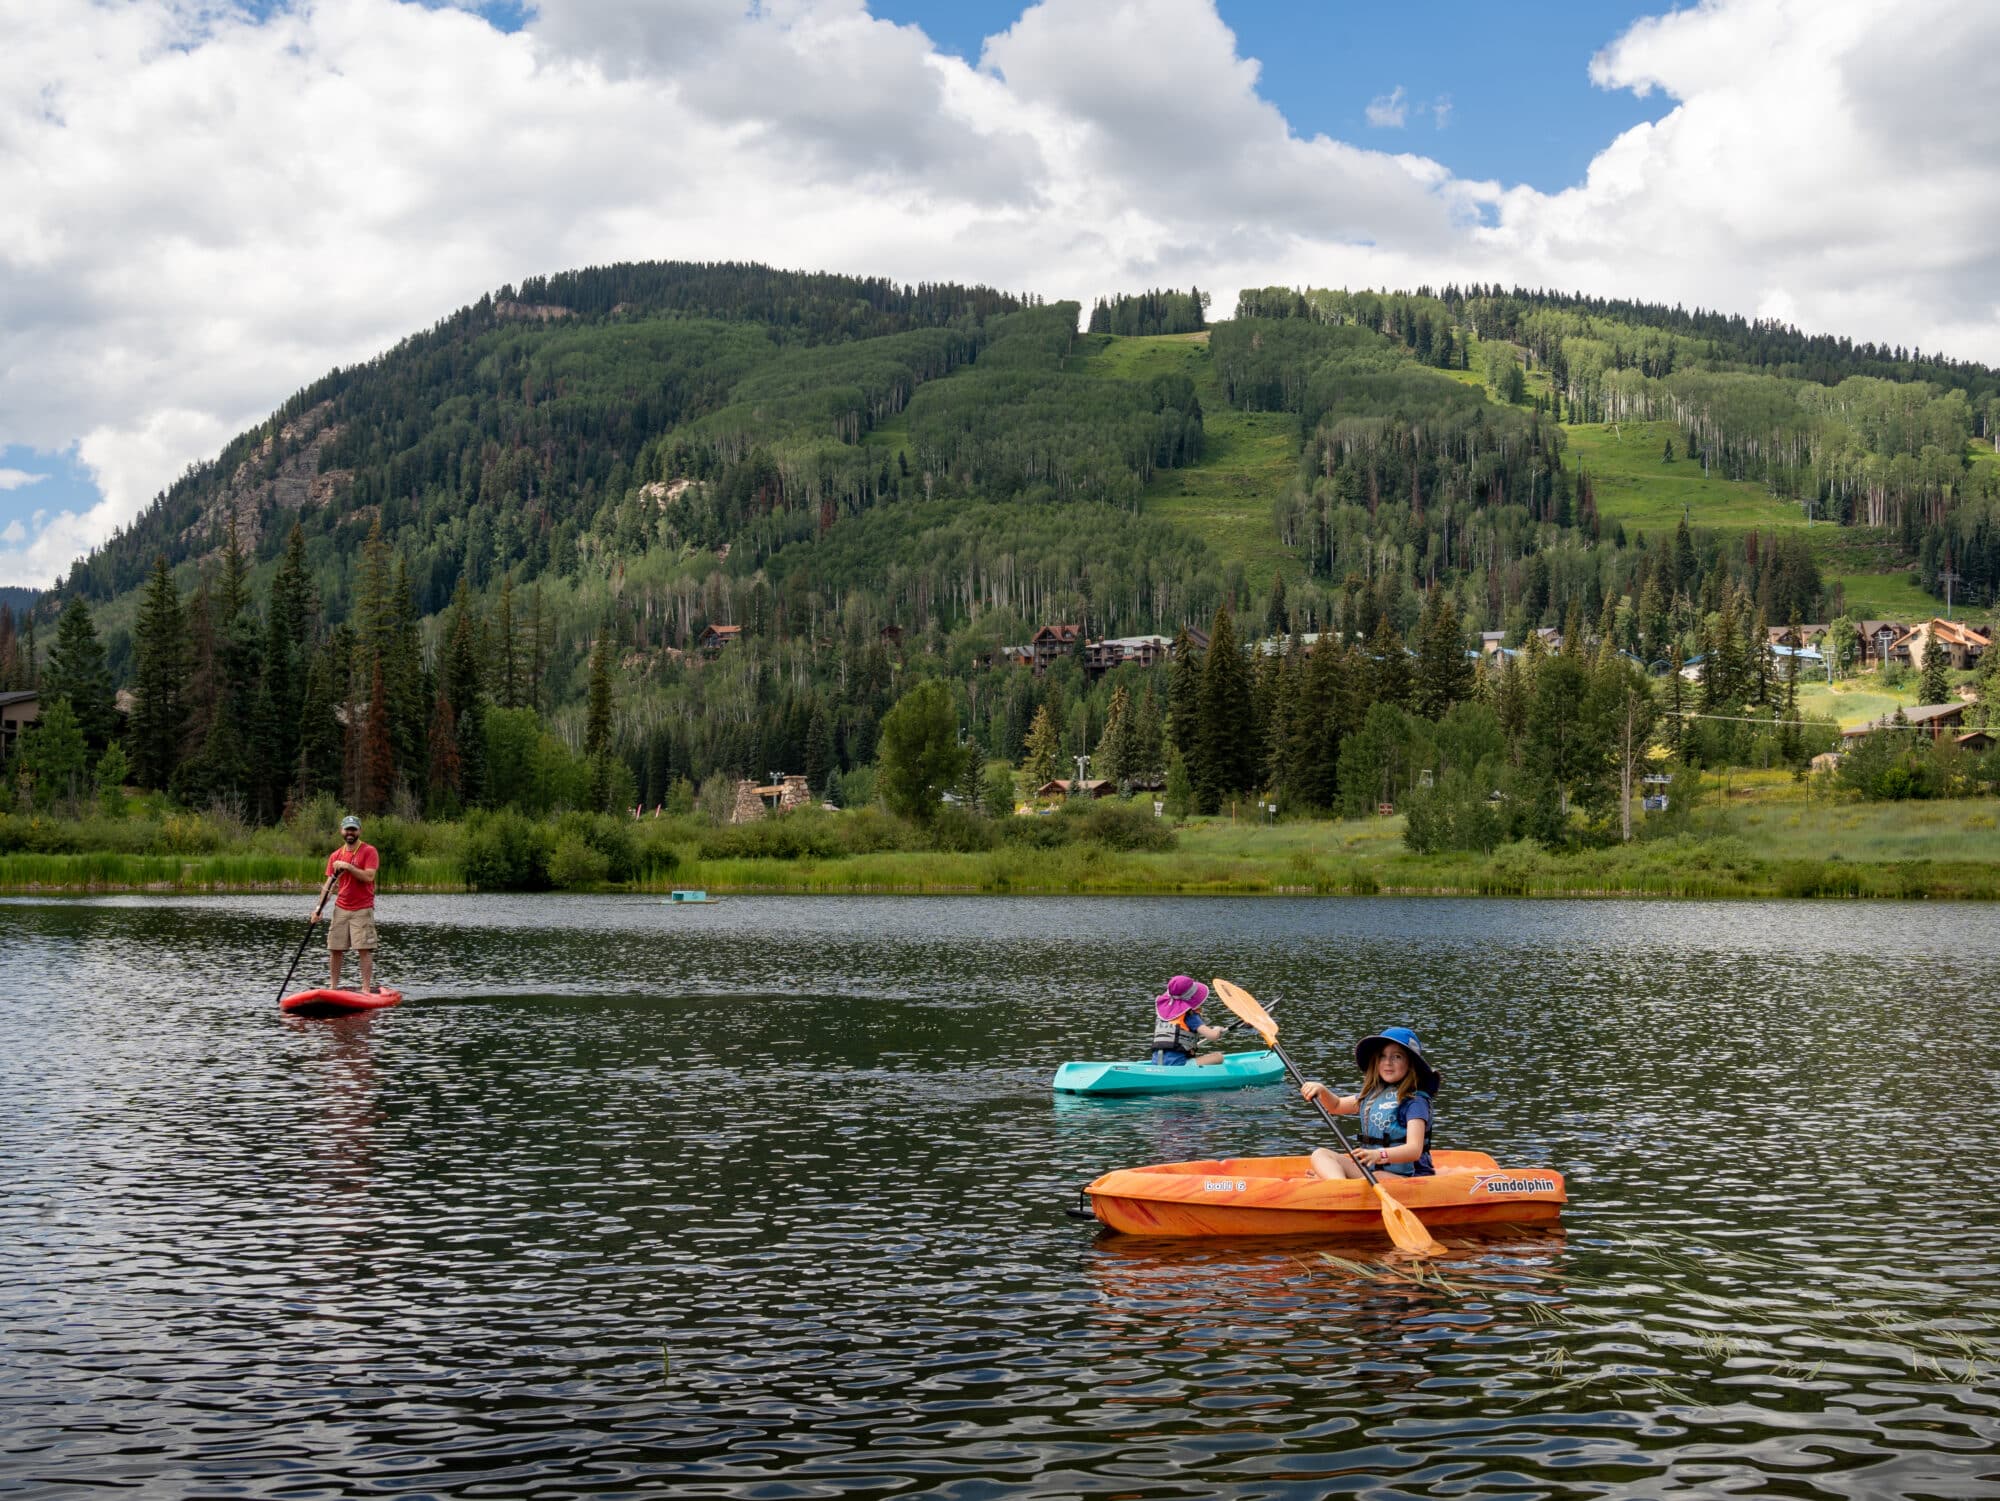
(1758, 837)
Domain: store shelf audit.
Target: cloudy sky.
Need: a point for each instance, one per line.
(204, 204)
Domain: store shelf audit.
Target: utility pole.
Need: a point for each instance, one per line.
(1948, 578)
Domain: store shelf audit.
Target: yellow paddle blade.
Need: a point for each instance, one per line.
(1404, 1228)
(1244, 1004)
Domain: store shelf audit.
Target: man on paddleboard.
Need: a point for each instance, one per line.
(353, 925)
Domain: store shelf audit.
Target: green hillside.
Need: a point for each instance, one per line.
(430, 578)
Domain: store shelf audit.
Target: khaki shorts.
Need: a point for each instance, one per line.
(351, 930)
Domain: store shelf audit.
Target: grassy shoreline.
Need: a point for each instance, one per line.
(1761, 837)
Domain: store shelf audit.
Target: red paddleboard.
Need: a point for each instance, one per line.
(338, 1002)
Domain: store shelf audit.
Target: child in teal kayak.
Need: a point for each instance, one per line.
(1178, 1030)
(1397, 1086)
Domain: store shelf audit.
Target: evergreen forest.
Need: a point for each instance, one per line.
(618, 537)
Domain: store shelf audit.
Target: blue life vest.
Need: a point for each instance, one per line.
(1384, 1124)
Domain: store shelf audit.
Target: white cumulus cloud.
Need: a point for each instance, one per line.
(206, 209)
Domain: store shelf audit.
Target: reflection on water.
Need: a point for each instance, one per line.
(767, 1200)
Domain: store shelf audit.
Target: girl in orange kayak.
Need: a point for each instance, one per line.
(1397, 1086)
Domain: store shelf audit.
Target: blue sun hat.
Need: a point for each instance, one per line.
(1429, 1080)
(1182, 996)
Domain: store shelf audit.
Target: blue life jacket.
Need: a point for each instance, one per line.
(1385, 1123)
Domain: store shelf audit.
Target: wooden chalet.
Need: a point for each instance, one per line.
(713, 638)
(1960, 643)
(1878, 642)
(1809, 635)
(1051, 642)
(1099, 657)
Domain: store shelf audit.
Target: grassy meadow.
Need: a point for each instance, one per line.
(1248, 458)
(1638, 488)
(1740, 834)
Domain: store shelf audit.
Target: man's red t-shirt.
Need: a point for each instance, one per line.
(347, 892)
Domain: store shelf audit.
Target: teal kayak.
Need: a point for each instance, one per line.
(1235, 1071)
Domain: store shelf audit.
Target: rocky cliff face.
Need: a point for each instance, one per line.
(264, 488)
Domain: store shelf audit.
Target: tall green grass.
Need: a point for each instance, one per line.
(1753, 835)
(111, 870)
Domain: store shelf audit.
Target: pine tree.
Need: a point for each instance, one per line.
(1676, 705)
(1044, 753)
(821, 760)
(1280, 707)
(1443, 672)
(202, 695)
(280, 700)
(541, 639)
(1389, 664)
(159, 681)
(1760, 659)
(378, 755)
(597, 719)
(1225, 760)
(1685, 564)
(443, 774)
(409, 692)
(463, 690)
(76, 672)
(970, 788)
(1655, 629)
(1312, 732)
(374, 604)
(233, 591)
(1148, 753)
(1113, 757)
(54, 754)
(1184, 694)
(320, 735)
(507, 653)
(1934, 686)
(1722, 681)
(1277, 619)
(1510, 704)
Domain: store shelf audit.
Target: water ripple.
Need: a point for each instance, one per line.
(765, 1201)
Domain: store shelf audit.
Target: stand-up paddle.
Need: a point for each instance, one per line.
(1404, 1228)
(312, 923)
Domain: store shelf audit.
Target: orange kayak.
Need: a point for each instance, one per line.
(1283, 1196)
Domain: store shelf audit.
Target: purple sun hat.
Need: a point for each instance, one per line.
(1182, 996)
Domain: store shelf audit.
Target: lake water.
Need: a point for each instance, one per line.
(765, 1199)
